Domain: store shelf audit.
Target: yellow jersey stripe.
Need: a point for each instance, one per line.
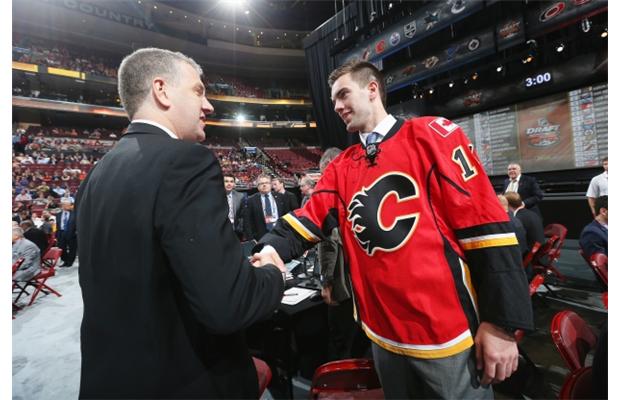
(479, 242)
(461, 343)
(299, 228)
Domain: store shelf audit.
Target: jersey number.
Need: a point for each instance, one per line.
(459, 156)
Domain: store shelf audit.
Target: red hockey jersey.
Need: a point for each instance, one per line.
(431, 252)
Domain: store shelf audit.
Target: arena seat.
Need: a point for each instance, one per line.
(598, 263)
(573, 338)
(48, 265)
(346, 379)
(578, 385)
(264, 375)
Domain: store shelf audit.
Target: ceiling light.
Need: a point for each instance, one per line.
(198, 21)
(249, 31)
(247, 12)
(586, 24)
(465, 81)
(451, 84)
(431, 90)
(604, 33)
(224, 26)
(170, 11)
(240, 117)
(474, 76)
(499, 68)
(185, 16)
(559, 48)
(237, 28)
(390, 5)
(528, 59)
(155, 7)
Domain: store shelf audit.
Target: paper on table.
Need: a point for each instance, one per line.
(296, 295)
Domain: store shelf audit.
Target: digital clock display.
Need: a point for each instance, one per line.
(538, 80)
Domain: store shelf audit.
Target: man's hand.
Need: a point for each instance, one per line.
(268, 255)
(497, 354)
(326, 293)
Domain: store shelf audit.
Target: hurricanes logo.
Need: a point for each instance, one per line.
(384, 215)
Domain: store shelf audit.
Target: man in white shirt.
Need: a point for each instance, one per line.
(597, 187)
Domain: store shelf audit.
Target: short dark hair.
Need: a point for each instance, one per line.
(605, 159)
(230, 176)
(600, 202)
(277, 178)
(362, 72)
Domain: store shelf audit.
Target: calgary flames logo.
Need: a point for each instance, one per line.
(383, 216)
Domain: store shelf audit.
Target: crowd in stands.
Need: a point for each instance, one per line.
(32, 50)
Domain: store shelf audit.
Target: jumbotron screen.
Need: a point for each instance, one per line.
(561, 131)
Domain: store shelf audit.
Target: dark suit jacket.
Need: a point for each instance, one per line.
(593, 239)
(255, 227)
(69, 231)
(165, 287)
(289, 202)
(38, 237)
(530, 192)
(534, 230)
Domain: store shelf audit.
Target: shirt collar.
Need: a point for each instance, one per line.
(160, 126)
(382, 129)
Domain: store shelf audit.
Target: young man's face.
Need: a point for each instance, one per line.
(277, 185)
(352, 103)
(229, 183)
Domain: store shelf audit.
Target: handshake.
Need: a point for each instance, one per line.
(268, 255)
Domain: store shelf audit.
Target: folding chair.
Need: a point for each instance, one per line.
(530, 255)
(573, 338)
(48, 265)
(18, 263)
(549, 253)
(578, 385)
(351, 379)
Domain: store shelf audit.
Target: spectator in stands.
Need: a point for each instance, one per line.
(346, 338)
(23, 195)
(66, 232)
(166, 289)
(263, 209)
(46, 225)
(597, 187)
(23, 247)
(534, 230)
(519, 229)
(306, 185)
(236, 204)
(35, 235)
(289, 200)
(41, 200)
(593, 238)
(526, 186)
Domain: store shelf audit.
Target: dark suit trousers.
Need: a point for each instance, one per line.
(68, 245)
(346, 338)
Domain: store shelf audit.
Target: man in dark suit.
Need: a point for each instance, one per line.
(593, 238)
(526, 186)
(166, 289)
(65, 233)
(263, 210)
(236, 205)
(534, 230)
(35, 235)
(289, 199)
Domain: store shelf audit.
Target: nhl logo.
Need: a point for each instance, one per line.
(458, 6)
(379, 47)
(410, 29)
(394, 38)
(552, 11)
(431, 62)
(389, 79)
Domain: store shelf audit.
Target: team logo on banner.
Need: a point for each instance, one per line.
(580, 2)
(389, 79)
(379, 47)
(410, 29)
(394, 38)
(384, 215)
(443, 126)
(510, 29)
(452, 50)
(431, 19)
(409, 70)
(458, 6)
(366, 54)
(472, 99)
(543, 135)
(552, 11)
(473, 44)
(431, 62)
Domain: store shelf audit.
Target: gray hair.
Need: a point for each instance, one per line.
(138, 70)
(328, 156)
(17, 231)
(308, 182)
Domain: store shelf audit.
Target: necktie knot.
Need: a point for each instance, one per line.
(373, 137)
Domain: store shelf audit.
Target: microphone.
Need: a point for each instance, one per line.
(372, 150)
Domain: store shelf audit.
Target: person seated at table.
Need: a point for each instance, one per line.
(593, 238)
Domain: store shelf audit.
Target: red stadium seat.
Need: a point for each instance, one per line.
(573, 338)
(530, 255)
(578, 385)
(264, 375)
(350, 379)
(598, 263)
(544, 259)
(48, 265)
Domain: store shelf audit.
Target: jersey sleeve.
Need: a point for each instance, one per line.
(469, 206)
(301, 229)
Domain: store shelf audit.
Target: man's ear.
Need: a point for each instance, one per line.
(373, 89)
(160, 94)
